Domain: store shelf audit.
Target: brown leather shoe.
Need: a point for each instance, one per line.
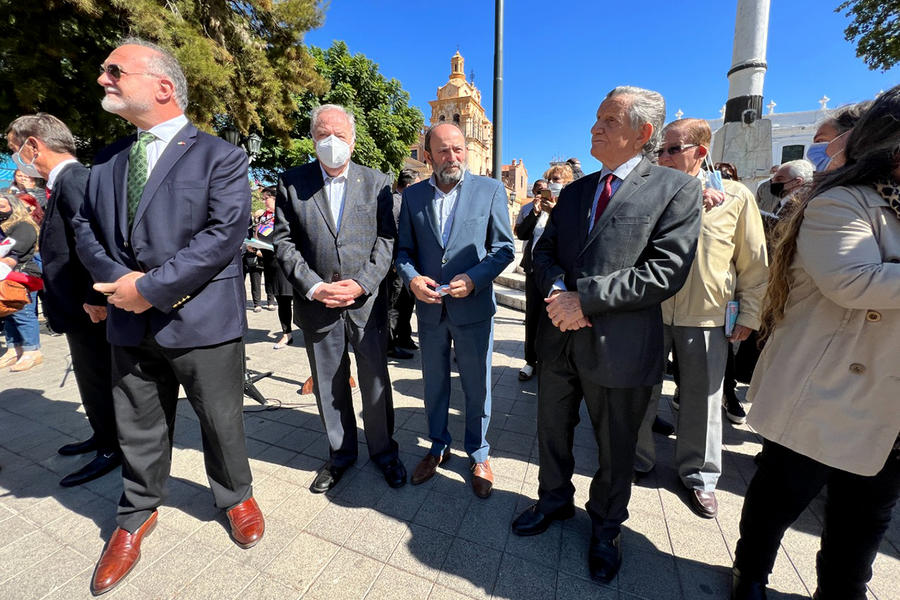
(427, 467)
(482, 479)
(247, 523)
(704, 503)
(122, 552)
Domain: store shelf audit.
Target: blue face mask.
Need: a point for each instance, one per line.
(817, 156)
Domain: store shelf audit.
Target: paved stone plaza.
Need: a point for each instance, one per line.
(363, 539)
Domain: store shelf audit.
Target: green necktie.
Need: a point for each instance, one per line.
(137, 172)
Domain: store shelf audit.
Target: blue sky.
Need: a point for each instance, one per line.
(562, 58)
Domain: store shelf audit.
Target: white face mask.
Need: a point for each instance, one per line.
(555, 188)
(28, 169)
(333, 152)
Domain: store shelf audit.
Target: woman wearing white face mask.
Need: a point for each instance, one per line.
(529, 227)
(827, 149)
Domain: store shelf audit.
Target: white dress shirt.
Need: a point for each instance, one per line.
(336, 193)
(620, 173)
(446, 206)
(164, 132)
(55, 171)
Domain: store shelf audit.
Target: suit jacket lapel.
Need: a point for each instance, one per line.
(629, 186)
(175, 149)
(459, 211)
(121, 198)
(320, 198)
(431, 214)
(352, 187)
(586, 202)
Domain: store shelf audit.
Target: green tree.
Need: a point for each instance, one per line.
(244, 59)
(386, 125)
(876, 30)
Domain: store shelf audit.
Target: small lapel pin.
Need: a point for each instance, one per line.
(181, 143)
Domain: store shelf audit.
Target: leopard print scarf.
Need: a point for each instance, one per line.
(890, 191)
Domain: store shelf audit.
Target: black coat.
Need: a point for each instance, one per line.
(67, 284)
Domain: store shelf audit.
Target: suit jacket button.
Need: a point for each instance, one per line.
(443, 261)
(335, 277)
(857, 368)
(126, 244)
(873, 316)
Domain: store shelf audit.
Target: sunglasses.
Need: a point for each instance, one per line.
(116, 72)
(673, 150)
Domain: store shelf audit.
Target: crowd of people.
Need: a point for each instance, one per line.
(142, 260)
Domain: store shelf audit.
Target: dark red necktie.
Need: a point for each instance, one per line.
(47, 191)
(603, 199)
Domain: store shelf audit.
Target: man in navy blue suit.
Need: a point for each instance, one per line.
(160, 232)
(454, 238)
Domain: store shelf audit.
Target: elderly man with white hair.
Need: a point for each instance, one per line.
(334, 239)
(788, 180)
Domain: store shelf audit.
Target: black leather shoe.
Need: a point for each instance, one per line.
(744, 589)
(406, 343)
(399, 353)
(88, 445)
(327, 477)
(103, 463)
(394, 473)
(662, 427)
(605, 558)
(532, 521)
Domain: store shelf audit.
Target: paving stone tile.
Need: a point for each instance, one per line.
(524, 580)
(223, 578)
(300, 562)
(349, 575)
(376, 535)
(336, 522)
(266, 588)
(404, 502)
(543, 548)
(15, 528)
(488, 522)
(441, 512)
(27, 551)
(279, 534)
(569, 587)
(700, 582)
(649, 575)
(394, 584)
(166, 576)
(440, 592)
(699, 540)
(43, 577)
(421, 551)
(470, 568)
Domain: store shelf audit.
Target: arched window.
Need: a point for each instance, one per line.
(456, 118)
(441, 119)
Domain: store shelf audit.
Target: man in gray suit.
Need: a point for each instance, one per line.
(618, 243)
(334, 238)
(454, 238)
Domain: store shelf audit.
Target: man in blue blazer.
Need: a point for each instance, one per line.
(160, 231)
(454, 238)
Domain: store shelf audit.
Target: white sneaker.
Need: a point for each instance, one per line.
(526, 372)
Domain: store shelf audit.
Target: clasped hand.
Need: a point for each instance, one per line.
(123, 293)
(423, 288)
(564, 310)
(338, 294)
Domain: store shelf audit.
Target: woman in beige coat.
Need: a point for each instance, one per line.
(827, 387)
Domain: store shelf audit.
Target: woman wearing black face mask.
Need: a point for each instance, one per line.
(21, 328)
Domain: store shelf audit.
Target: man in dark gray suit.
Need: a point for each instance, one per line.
(618, 243)
(334, 238)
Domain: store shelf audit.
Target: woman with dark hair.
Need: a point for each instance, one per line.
(826, 388)
(830, 140)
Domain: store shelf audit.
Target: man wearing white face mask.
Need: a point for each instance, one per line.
(334, 238)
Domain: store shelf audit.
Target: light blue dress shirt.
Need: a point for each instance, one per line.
(446, 207)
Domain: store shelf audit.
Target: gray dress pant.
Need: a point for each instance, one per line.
(329, 360)
(145, 393)
(702, 354)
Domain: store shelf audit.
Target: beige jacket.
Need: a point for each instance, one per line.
(827, 384)
(731, 264)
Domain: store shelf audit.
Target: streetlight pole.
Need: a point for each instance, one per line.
(498, 90)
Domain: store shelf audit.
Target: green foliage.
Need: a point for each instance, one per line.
(875, 29)
(386, 125)
(242, 58)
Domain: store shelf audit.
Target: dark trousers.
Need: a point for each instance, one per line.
(400, 308)
(329, 360)
(145, 392)
(285, 312)
(255, 285)
(616, 415)
(92, 364)
(534, 308)
(857, 513)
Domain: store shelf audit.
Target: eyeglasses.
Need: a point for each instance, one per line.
(672, 150)
(116, 72)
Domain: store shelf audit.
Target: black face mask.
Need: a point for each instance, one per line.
(4, 215)
(777, 189)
